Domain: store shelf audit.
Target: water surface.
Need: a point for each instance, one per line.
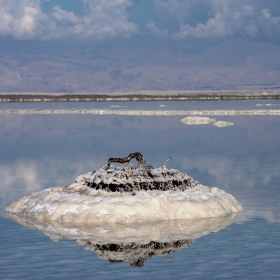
(41, 151)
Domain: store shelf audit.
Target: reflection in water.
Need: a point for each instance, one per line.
(135, 254)
(42, 151)
(131, 243)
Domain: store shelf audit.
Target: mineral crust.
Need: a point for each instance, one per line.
(131, 179)
(126, 194)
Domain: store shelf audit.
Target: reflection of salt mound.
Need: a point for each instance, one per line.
(117, 233)
(134, 254)
(132, 243)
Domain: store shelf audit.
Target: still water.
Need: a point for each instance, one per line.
(39, 151)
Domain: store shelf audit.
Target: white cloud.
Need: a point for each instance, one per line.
(225, 23)
(23, 176)
(225, 19)
(172, 9)
(21, 19)
(268, 24)
(106, 19)
(154, 30)
(24, 19)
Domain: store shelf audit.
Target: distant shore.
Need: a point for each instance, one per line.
(202, 95)
(140, 112)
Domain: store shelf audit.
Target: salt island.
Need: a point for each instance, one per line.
(126, 194)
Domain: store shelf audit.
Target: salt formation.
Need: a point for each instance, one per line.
(197, 120)
(131, 179)
(204, 120)
(126, 194)
(223, 124)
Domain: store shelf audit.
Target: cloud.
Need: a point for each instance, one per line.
(25, 19)
(253, 197)
(268, 24)
(153, 29)
(172, 10)
(25, 176)
(224, 19)
(101, 20)
(21, 19)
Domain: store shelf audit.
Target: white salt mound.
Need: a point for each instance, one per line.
(79, 204)
(128, 214)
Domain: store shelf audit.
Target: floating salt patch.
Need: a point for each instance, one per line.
(197, 120)
(223, 124)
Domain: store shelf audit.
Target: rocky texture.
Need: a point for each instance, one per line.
(132, 179)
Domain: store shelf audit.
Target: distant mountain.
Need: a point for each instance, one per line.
(232, 64)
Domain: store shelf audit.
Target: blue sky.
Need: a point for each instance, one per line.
(123, 40)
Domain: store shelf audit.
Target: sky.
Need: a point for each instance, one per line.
(121, 44)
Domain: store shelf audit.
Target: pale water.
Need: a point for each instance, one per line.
(45, 150)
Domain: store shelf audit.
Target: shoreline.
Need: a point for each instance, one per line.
(141, 112)
(206, 95)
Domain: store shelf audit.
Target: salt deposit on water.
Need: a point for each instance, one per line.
(126, 195)
(97, 206)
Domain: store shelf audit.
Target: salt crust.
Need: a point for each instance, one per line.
(223, 124)
(205, 120)
(131, 179)
(197, 120)
(79, 204)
